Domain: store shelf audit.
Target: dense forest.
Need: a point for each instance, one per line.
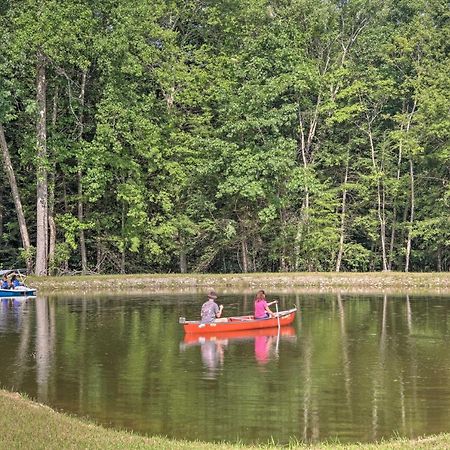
(224, 136)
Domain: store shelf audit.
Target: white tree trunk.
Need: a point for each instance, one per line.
(51, 196)
(80, 219)
(84, 266)
(244, 249)
(305, 149)
(1, 211)
(380, 201)
(412, 194)
(411, 216)
(394, 213)
(343, 211)
(183, 260)
(41, 170)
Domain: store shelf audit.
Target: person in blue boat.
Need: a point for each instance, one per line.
(5, 283)
(210, 309)
(262, 310)
(15, 282)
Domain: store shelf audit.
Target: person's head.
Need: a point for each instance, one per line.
(14, 277)
(212, 295)
(260, 295)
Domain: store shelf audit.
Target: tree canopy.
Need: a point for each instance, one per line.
(231, 136)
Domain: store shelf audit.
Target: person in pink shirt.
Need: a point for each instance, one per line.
(262, 310)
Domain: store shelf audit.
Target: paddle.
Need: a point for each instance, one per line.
(278, 316)
(279, 328)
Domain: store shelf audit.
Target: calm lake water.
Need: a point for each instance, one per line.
(352, 367)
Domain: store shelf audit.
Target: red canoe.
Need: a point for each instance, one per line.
(241, 335)
(238, 323)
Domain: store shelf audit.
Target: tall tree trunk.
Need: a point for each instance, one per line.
(244, 255)
(42, 187)
(66, 210)
(301, 228)
(83, 254)
(123, 261)
(16, 197)
(392, 240)
(411, 216)
(51, 197)
(1, 210)
(51, 223)
(124, 243)
(253, 259)
(183, 260)
(383, 221)
(412, 194)
(304, 151)
(403, 129)
(343, 212)
(283, 256)
(380, 200)
(394, 212)
(99, 255)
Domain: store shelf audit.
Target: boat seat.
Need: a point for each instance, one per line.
(221, 320)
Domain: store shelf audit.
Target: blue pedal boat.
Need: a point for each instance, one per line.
(18, 291)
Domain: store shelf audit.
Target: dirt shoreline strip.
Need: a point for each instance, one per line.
(315, 282)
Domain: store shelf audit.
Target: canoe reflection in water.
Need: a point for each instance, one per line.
(266, 342)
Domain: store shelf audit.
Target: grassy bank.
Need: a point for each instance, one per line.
(362, 282)
(25, 424)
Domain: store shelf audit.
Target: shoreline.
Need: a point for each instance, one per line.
(370, 282)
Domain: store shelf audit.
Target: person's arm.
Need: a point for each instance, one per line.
(219, 313)
(269, 311)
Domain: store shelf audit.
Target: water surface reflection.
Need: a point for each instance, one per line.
(213, 345)
(353, 367)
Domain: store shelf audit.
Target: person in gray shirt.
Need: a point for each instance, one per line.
(210, 309)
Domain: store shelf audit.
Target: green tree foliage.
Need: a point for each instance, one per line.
(231, 136)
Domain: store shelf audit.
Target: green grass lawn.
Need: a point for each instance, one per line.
(25, 424)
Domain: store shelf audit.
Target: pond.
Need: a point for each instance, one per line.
(351, 367)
